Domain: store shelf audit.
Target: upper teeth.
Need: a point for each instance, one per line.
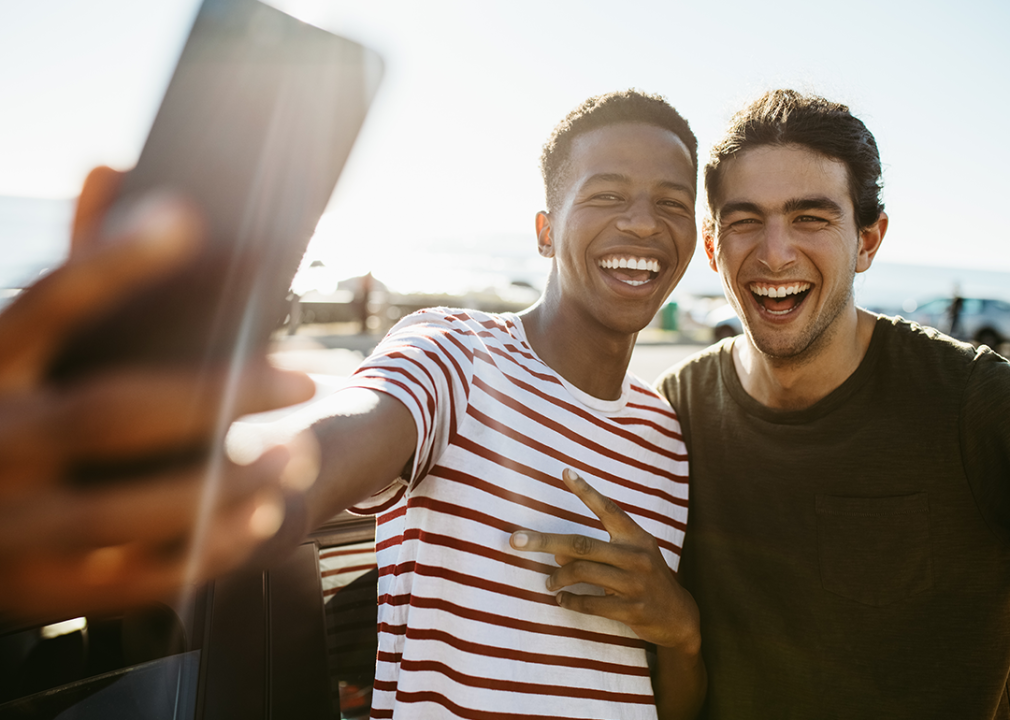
(630, 263)
(780, 291)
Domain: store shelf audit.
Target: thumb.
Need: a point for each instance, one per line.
(97, 195)
(159, 236)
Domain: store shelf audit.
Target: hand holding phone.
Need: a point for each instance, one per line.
(257, 122)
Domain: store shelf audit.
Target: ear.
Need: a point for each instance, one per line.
(869, 243)
(544, 244)
(708, 237)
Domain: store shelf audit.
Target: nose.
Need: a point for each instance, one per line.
(776, 250)
(640, 219)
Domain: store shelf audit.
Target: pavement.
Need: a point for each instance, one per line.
(329, 358)
(337, 354)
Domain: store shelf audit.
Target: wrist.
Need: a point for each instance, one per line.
(685, 637)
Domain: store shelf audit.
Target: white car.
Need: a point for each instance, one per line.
(724, 322)
(983, 320)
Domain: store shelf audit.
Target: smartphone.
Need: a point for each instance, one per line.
(257, 123)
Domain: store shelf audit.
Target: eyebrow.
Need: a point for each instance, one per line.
(817, 202)
(621, 178)
(812, 203)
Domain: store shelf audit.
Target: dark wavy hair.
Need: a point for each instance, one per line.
(785, 117)
(601, 111)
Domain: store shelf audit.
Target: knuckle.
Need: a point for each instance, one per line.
(636, 612)
(582, 545)
(571, 601)
(637, 589)
(574, 572)
(610, 507)
(640, 562)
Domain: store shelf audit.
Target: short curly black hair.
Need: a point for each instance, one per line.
(599, 111)
(787, 117)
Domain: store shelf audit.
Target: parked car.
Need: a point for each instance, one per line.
(256, 644)
(982, 320)
(724, 322)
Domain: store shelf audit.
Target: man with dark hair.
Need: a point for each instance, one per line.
(456, 432)
(849, 547)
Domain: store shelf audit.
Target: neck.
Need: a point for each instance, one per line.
(798, 382)
(589, 357)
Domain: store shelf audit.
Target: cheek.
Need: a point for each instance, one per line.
(725, 256)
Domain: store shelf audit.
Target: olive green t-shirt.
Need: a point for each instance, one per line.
(852, 560)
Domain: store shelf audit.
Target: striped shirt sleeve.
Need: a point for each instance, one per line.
(425, 362)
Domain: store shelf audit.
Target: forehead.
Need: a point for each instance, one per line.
(771, 175)
(638, 151)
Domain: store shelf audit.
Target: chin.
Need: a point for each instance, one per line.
(795, 348)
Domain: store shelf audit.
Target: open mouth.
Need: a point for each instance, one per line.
(630, 269)
(780, 299)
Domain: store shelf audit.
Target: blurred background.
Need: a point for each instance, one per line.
(438, 200)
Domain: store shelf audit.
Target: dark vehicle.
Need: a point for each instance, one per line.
(295, 641)
(985, 321)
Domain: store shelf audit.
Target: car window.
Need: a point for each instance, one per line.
(939, 305)
(95, 666)
(971, 306)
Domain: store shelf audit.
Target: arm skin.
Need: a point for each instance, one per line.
(641, 591)
(70, 550)
(364, 445)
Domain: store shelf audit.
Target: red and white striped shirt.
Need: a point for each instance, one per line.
(467, 628)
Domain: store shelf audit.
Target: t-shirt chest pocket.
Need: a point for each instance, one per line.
(875, 551)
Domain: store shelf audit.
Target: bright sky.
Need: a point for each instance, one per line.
(473, 89)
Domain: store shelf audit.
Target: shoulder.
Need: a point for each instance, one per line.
(643, 397)
(697, 371)
(919, 349)
(901, 332)
(457, 327)
(465, 321)
(910, 354)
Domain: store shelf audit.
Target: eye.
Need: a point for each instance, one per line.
(671, 203)
(810, 219)
(607, 197)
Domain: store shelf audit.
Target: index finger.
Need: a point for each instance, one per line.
(614, 519)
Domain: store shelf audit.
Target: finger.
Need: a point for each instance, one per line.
(26, 461)
(608, 606)
(146, 511)
(611, 578)
(159, 238)
(52, 581)
(113, 416)
(614, 519)
(237, 535)
(133, 412)
(107, 580)
(97, 195)
(565, 548)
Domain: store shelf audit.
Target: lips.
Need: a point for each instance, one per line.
(633, 270)
(780, 299)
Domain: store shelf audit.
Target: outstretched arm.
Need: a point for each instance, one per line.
(641, 591)
(365, 445)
